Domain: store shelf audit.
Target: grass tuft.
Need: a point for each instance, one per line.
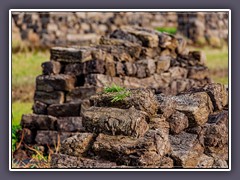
(113, 88)
(120, 96)
(120, 92)
(170, 30)
(15, 129)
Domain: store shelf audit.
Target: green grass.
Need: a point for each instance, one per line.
(15, 138)
(26, 66)
(18, 109)
(119, 96)
(222, 80)
(120, 93)
(216, 58)
(113, 88)
(170, 30)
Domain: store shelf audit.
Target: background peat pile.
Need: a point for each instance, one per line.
(204, 28)
(142, 130)
(49, 29)
(132, 58)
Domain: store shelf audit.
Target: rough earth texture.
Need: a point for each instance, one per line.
(164, 118)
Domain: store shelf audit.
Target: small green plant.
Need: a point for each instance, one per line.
(113, 88)
(120, 92)
(15, 129)
(119, 96)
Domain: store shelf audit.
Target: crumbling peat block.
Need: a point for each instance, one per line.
(196, 106)
(64, 110)
(101, 80)
(178, 72)
(156, 81)
(214, 135)
(59, 82)
(65, 161)
(56, 97)
(218, 94)
(51, 67)
(114, 121)
(163, 64)
(150, 53)
(75, 69)
(140, 99)
(52, 138)
(132, 49)
(39, 108)
(38, 122)
(159, 122)
(145, 151)
(70, 55)
(121, 34)
(193, 58)
(88, 67)
(219, 163)
(145, 68)
(186, 150)
(70, 124)
(167, 105)
(198, 72)
(178, 122)
(114, 53)
(147, 39)
(205, 161)
(198, 56)
(80, 93)
(167, 162)
(77, 145)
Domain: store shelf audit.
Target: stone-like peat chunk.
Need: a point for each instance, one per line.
(205, 162)
(215, 135)
(70, 54)
(166, 162)
(218, 95)
(145, 151)
(51, 67)
(70, 124)
(80, 93)
(197, 106)
(131, 48)
(59, 82)
(65, 161)
(186, 150)
(114, 121)
(52, 138)
(56, 97)
(178, 122)
(167, 105)
(39, 108)
(64, 110)
(77, 145)
(38, 122)
(101, 80)
(141, 99)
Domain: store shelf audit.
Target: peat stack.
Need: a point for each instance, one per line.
(130, 57)
(183, 131)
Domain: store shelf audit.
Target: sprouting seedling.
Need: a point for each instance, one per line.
(113, 88)
(120, 96)
(120, 92)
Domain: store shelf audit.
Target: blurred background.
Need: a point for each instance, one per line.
(33, 33)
